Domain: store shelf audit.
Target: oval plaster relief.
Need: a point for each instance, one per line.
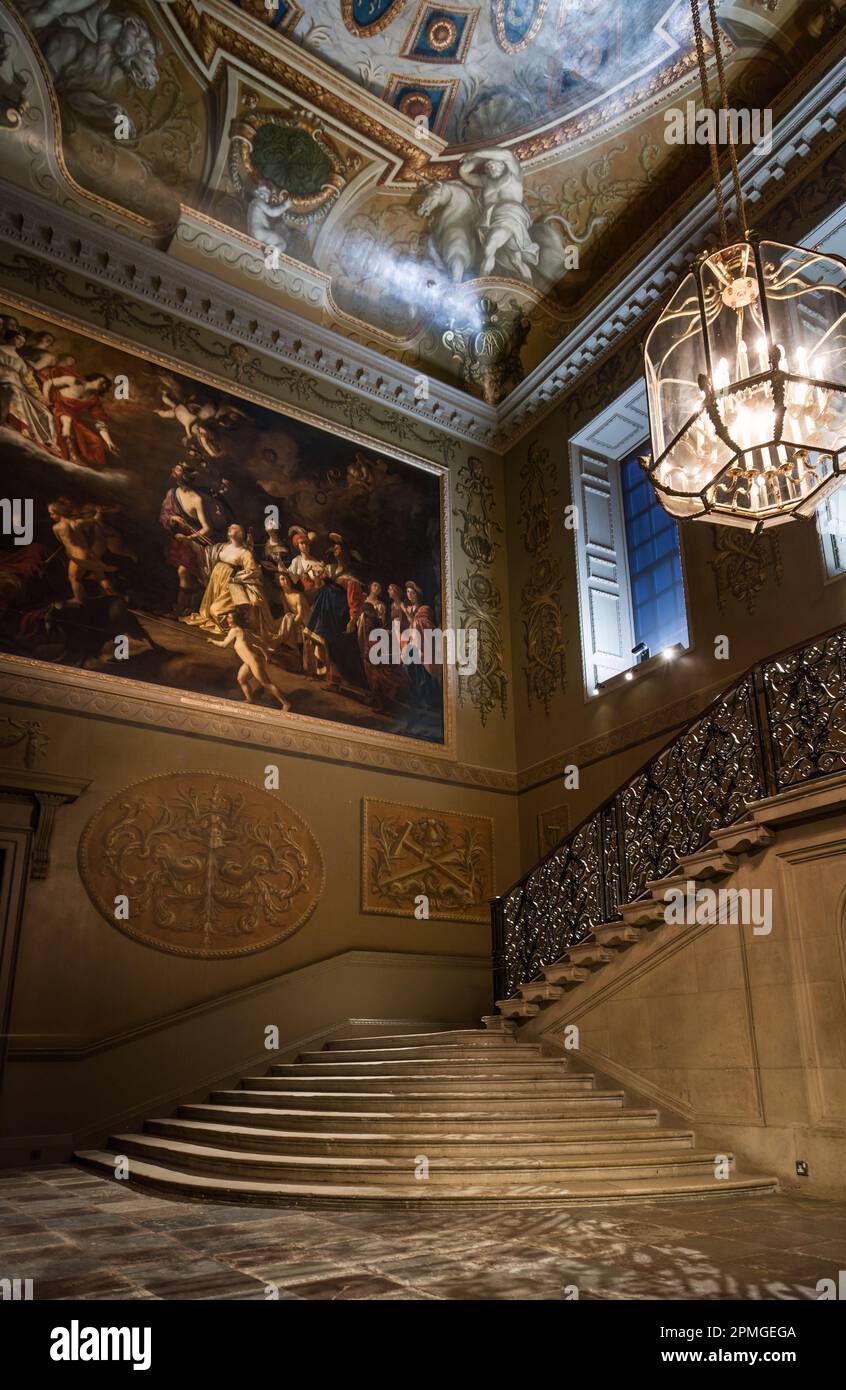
(208, 866)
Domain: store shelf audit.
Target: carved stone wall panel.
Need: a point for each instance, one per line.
(201, 865)
(408, 851)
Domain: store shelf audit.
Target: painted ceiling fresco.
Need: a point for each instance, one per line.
(451, 185)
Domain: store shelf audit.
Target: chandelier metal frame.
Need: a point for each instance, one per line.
(732, 442)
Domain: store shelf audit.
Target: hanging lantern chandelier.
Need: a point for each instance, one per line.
(746, 370)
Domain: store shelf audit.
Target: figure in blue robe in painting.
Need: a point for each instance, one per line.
(337, 598)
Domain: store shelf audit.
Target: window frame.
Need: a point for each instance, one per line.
(596, 454)
(827, 541)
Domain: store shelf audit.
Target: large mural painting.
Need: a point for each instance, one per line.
(168, 532)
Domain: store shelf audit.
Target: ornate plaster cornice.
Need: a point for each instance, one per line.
(801, 138)
(68, 240)
(53, 220)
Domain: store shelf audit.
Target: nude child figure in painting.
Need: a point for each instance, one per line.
(253, 674)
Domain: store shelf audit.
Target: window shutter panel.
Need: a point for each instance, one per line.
(602, 570)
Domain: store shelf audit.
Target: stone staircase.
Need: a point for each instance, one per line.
(716, 862)
(487, 1119)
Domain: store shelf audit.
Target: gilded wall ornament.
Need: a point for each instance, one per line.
(537, 492)
(479, 529)
(546, 652)
(553, 825)
(201, 865)
(29, 733)
(481, 609)
(743, 564)
(488, 346)
(408, 851)
(480, 601)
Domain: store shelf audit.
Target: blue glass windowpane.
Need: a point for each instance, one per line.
(655, 574)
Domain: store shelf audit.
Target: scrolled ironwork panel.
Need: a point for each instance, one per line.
(805, 693)
(782, 724)
(702, 780)
(556, 905)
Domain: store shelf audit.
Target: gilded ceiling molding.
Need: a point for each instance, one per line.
(381, 12)
(479, 599)
(804, 137)
(211, 29)
(514, 32)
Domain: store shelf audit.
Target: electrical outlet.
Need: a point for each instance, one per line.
(801, 1168)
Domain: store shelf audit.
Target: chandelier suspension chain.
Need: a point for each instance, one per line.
(706, 100)
(721, 76)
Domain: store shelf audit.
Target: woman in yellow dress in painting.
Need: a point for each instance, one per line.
(234, 580)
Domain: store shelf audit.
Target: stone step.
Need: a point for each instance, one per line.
(495, 1023)
(434, 1122)
(646, 913)
(622, 1140)
(705, 863)
(590, 955)
(424, 1068)
(566, 975)
(159, 1177)
(540, 992)
(498, 1051)
(747, 837)
(481, 1170)
(427, 1086)
(516, 1008)
(616, 935)
(364, 1103)
(466, 1038)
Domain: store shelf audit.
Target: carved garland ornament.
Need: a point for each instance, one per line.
(479, 598)
(742, 565)
(546, 651)
(201, 865)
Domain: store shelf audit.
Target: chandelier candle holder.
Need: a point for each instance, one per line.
(746, 372)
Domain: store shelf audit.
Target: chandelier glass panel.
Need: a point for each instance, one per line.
(746, 383)
(746, 370)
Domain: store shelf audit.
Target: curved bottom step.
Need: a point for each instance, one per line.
(420, 1194)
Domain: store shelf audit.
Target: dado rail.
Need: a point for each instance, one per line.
(780, 724)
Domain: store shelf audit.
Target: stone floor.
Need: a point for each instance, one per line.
(77, 1235)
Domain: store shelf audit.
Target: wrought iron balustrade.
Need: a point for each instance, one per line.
(780, 724)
